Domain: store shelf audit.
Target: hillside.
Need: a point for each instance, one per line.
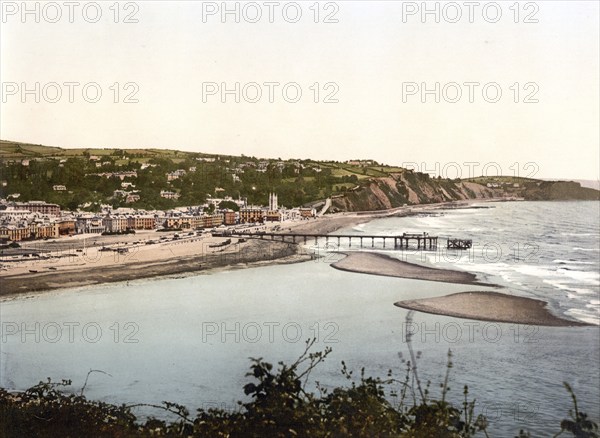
(163, 179)
(409, 188)
(12, 150)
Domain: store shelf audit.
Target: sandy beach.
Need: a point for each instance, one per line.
(490, 306)
(381, 264)
(94, 259)
(188, 258)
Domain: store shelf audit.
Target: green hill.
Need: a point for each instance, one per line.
(97, 176)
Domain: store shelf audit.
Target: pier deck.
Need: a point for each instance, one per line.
(423, 241)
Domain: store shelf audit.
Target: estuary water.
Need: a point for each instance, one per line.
(188, 339)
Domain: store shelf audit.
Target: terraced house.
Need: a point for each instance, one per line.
(90, 224)
(141, 222)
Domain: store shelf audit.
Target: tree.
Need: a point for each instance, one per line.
(229, 205)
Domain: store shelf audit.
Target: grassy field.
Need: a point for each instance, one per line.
(10, 150)
(500, 179)
(18, 151)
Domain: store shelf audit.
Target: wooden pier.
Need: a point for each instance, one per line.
(459, 243)
(403, 241)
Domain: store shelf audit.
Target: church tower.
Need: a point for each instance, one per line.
(273, 202)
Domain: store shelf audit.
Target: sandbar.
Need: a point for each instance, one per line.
(490, 306)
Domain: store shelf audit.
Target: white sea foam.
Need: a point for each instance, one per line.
(573, 262)
(585, 316)
(536, 271)
(582, 276)
(567, 287)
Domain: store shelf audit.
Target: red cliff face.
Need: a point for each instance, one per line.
(413, 188)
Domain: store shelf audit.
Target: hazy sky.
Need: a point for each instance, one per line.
(375, 60)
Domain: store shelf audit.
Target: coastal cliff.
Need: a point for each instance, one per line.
(559, 191)
(413, 188)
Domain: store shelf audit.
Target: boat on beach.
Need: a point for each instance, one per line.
(219, 245)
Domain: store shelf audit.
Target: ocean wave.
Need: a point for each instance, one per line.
(582, 276)
(433, 222)
(573, 262)
(494, 268)
(549, 272)
(536, 271)
(567, 287)
(584, 315)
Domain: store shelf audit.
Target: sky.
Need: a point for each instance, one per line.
(448, 88)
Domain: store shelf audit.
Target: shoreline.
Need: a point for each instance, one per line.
(253, 253)
(79, 261)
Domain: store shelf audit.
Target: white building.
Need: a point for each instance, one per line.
(169, 195)
(115, 224)
(175, 175)
(13, 214)
(89, 224)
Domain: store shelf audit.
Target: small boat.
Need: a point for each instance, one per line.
(218, 245)
(52, 268)
(32, 271)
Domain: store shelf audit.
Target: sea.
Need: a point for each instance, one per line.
(544, 250)
(190, 340)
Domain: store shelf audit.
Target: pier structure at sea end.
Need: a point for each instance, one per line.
(401, 241)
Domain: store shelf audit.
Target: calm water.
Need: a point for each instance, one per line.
(188, 340)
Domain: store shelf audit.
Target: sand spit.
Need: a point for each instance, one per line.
(490, 306)
(381, 264)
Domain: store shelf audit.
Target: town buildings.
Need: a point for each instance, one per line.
(39, 207)
(40, 220)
